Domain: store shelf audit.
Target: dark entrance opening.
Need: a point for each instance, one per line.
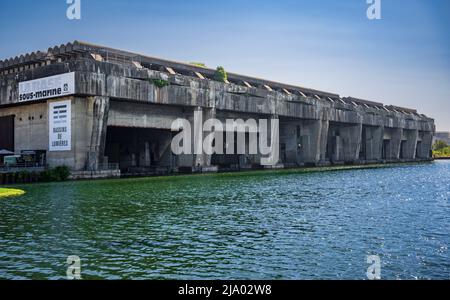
(140, 150)
(283, 152)
(332, 143)
(236, 160)
(402, 149)
(7, 133)
(386, 148)
(362, 150)
(224, 160)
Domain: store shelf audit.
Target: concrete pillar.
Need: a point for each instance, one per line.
(314, 141)
(323, 140)
(146, 155)
(198, 160)
(337, 149)
(424, 151)
(202, 159)
(273, 140)
(394, 138)
(97, 144)
(410, 145)
(350, 137)
(373, 143)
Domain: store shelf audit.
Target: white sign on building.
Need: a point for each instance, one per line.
(48, 87)
(60, 126)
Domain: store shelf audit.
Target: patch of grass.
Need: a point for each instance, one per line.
(198, 64)
(4, 192)
(441, 150)
(445, 152)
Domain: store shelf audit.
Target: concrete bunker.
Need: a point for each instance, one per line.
(122, 112)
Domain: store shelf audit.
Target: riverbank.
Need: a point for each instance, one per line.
(267, 172)
(332, 168)
(442, 153)
(60, 173)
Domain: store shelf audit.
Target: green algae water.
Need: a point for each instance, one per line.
(261, 225)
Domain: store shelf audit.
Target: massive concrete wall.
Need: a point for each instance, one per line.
(314, 129)
(32, 131)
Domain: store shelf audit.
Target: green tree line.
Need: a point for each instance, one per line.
(441, 149)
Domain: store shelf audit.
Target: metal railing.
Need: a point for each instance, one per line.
(105, 167)
(30, 167)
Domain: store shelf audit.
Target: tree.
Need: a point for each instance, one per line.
(221, 75)
(439, 145)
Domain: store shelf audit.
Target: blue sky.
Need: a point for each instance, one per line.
(403, 59)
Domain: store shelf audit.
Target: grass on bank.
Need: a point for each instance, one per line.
(441, 150)
(4, 192)
(444, 152)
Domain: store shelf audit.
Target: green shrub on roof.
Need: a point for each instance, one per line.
(221, 75)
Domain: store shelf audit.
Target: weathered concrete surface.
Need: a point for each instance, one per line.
(409, 144)
(97, 174)
(372, 143)
(32, 131)
(118, 91)
(97, 144)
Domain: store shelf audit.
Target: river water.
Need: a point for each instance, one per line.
(260, 225)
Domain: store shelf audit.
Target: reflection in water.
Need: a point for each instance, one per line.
(276, 225)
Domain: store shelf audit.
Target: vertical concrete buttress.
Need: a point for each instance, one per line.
(424, 151)
(200, 158)
(314, 142)
(373, 143)
(394, 146)
(323, 140)
(410, 138)
(350, 137)
(96, 148)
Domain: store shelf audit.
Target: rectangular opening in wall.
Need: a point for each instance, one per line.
(362, 150)
(386, 148)
(402, 149)
(7, 133)
(143, 151)
(283, 152)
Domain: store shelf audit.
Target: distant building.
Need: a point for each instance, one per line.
(442, 136)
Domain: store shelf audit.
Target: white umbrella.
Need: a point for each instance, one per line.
(5, 152)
